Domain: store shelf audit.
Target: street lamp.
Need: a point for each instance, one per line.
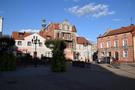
(35, 41)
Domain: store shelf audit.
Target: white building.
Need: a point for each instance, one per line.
(1, 25)
(25, 43)
(83, 50)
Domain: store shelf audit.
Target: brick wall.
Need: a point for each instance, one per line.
(120, 49)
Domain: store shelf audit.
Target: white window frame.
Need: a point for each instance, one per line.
(116, 45)
(101, 45)
(125, 53)
(124, 42)
(108, 44)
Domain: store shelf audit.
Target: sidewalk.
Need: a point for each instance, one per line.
(127, 70)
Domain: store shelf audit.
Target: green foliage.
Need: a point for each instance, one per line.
(7, 61)
(58, 59)
(7, 58)
(24, 60)
(6, 43)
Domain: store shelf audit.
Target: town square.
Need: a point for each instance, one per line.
(67, 45)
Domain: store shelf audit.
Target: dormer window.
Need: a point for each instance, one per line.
(21, 35)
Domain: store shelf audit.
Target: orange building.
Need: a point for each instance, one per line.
(117, 44)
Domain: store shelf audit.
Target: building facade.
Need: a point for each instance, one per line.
(117, 44)
(63, 31)
(25, 43)
(1, 25)
(83, 50)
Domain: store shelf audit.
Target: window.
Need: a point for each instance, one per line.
(29, 43)
(125, 53)
(108, 44)
(116, 44)
(57, 35)
(124, 43)
(40, 44)
(21, 35)
(66, 27)
(69, 36)
(62, 34)
(19, 43)
(101, 45)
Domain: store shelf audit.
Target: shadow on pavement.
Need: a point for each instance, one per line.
(75, 78)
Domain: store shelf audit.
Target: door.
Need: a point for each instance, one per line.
(116, 55)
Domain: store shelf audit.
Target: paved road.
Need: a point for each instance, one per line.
(41, 78)
(126, 70)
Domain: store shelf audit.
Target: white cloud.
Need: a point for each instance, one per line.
(116, 19)
(91, 9)
(29, 30)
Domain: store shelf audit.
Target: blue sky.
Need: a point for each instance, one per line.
(91, 17)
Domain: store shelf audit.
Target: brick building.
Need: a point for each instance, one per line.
(64, 31)
(117, 44)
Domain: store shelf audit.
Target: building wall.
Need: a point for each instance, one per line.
(85, 52)
(1, 25)
(63, 31)
(41, 50)
(134, 46)
(120, 49)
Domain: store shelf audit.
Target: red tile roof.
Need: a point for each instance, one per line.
(82, 40)
(121, 30)
(16, 36)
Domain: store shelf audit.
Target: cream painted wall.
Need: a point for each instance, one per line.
(41, 50)
(85, 52)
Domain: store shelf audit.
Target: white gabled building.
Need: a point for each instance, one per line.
(25, 44)
(83, 50)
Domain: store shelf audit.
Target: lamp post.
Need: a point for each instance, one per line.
(35, 41)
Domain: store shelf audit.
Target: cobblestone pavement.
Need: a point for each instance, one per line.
(96, 77)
